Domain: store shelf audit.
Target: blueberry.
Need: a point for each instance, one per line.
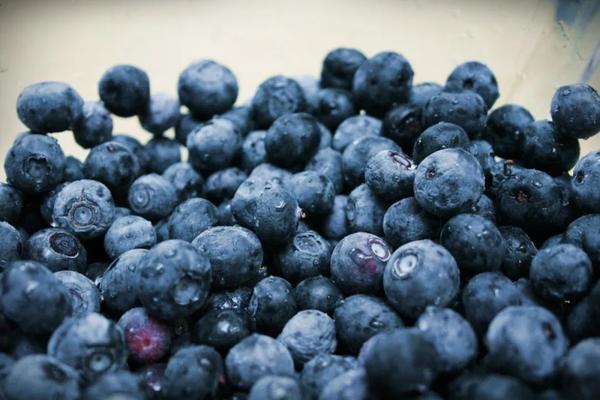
(241, 117)
(148, 339)
(26, 287)
(333, 106)
(174, 279)
(488, 386)
(191, 218)
(193, 372)
(484, 153)
(235, 254)
(35, 163)
(292, 139)
(255, 357)
(120, 282)
(401, 361)
(322, 369)
(125, 90)
(443, 135)
(92, 344)
(405, 221)
(112, 164)
(83, 294)
(272, 304)
(562, 272)
(307, 255)
(140, 151)
(334, 225)
(253, 151)
(582, 320)
(119, 384)
(390, 175)
(275, 97)
(532, 200)
(161, 113)
(422, 92)
(381, 81)
(402, 123)
(485, 295)
(46, 206)
(128, 232)
(41, 377)
(162, 153)
(339, 67)
(326, 137)
(94, 126)
(222, 184)
(527, 342)
(318, 293)
(448, 181)
(552, 241)
(162, 230)
(360, 317)
(94, 270)
(222, 329)
(519, 250)
(213, 145)
(357, 155)
(237, 299)
(207, 88)
(465, 109)
(152, 196)
(186, 124)
(584, 233)
(310, 87)
(84, 208)
(187, 182)
(49, 107)
(420, 274)
(57, 249)
(11, 244)
(474, 241)
(266, 208)
(586, 177)
(576, 110)
(11, 203)
(476, 77)
(581, 368)
(328, 162)
(353, 128)
(273, 387)
(73, 169)
(358, 261)
(505, 129)
(351, 385)
(451, 335)
(308, 334)
(314, 191)
(545, 150)
(224, 215)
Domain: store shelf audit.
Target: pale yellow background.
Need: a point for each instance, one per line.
(75, 41)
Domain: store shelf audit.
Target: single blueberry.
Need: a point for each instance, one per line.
(49, 107)
(420, 274)
(207, 88)
(35, 163)
(125, 90)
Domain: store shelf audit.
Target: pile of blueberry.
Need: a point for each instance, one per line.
(350, 237)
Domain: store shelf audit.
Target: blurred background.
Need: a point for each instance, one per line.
(532, 46)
